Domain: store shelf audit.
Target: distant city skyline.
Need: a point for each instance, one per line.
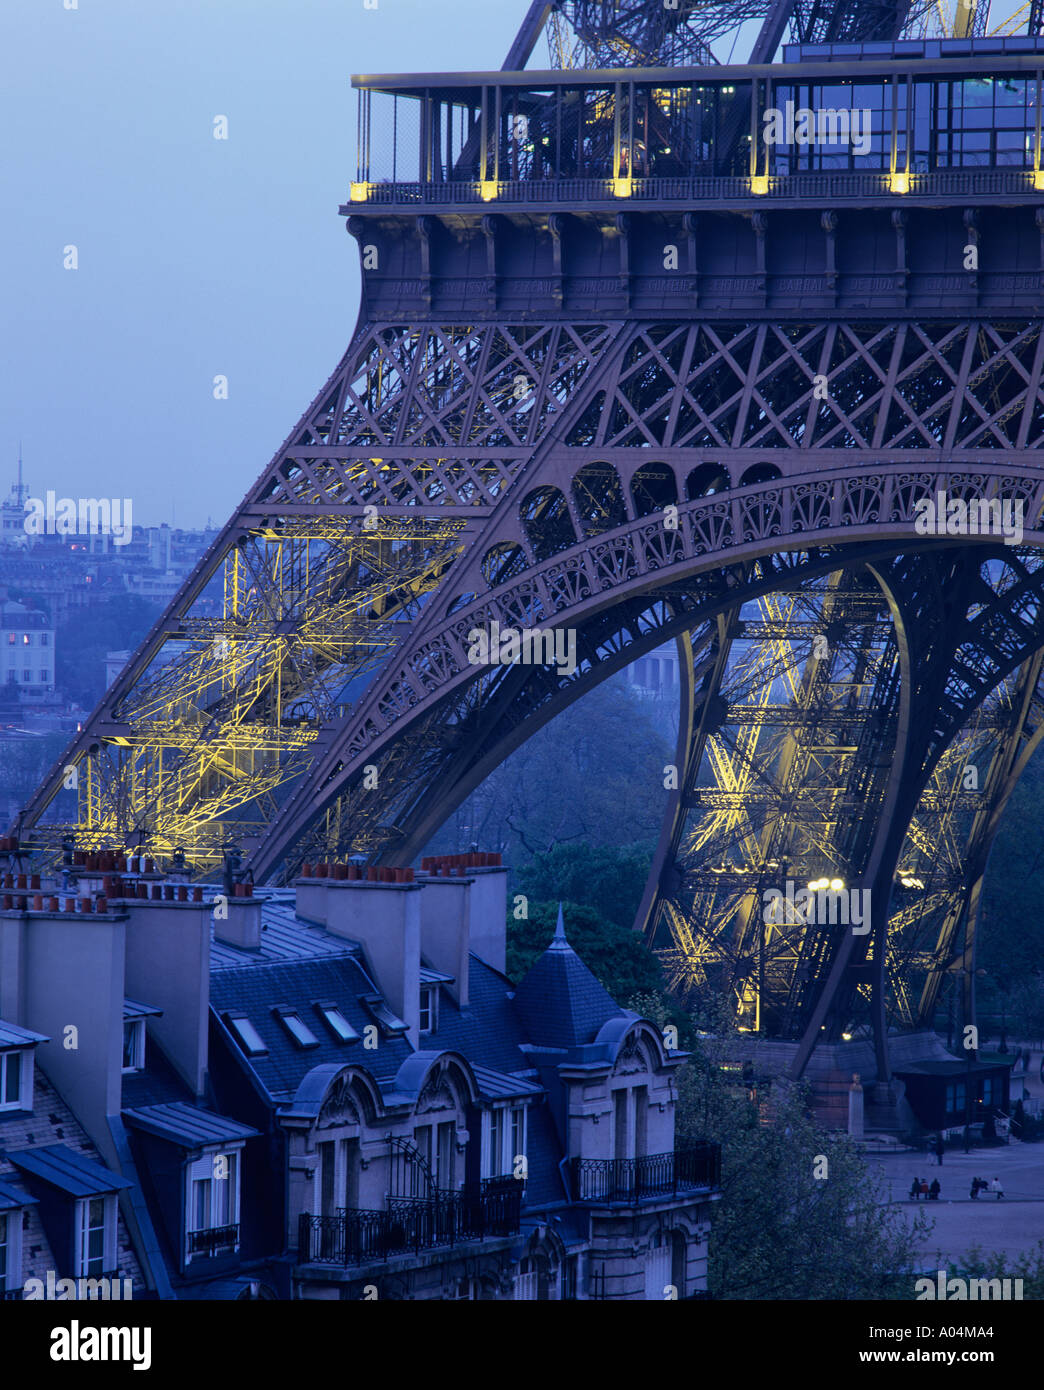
(195, 257)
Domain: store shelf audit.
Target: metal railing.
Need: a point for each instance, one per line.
(653, 1175)
(411, 1224)
(833, 184)
(213, 1239)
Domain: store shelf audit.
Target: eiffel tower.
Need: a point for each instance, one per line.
(629, 369)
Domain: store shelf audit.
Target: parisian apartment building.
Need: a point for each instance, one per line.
(327, 1091)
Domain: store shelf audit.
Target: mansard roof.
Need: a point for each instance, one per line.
(255, 990)
(560, 1003)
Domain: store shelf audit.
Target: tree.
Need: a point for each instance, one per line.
(801, 1216)
(112, 624)
(616, 956)
(594, 775)
(606, 878)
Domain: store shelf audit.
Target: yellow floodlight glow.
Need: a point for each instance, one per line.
(1038, 180)
(622, 188)
(837, 884)
(898, 182)
(759, 184)
(487, 189)
(358, 193)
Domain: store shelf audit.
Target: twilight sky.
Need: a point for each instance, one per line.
(196, 256)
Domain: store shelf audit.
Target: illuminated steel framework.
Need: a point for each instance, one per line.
(623, 368)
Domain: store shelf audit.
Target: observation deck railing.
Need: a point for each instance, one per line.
(834, 186)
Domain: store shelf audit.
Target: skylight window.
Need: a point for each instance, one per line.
(247, 1035)
(337, 1023)
(296, 1027)
(390, 1024)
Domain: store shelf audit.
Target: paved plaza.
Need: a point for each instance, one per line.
(1009, 1226)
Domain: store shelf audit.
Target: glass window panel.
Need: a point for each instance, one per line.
(201, 1204)
(11, 1081)
(219, 1212)
(299, 1030)
(340, 1024)
(247, 1034)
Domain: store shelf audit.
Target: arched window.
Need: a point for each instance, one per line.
(545, 516)
(598, 498)
(653, 487)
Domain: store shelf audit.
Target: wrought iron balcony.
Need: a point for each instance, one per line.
(411, 1224)
(213, 1239)
(645, 1179)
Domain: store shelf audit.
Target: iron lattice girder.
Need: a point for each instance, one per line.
(720, 388)
(547, 542)
(712, 925)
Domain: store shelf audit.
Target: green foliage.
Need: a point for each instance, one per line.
(593, 775)
(24, 761)
(779, 1231)
(617, 957)
(1028, 1266)
(110, 624)
(607, 879)
(1010, 938)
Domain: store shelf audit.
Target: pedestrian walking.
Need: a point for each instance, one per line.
(975, 1189)
(934, 1190)
(939, 1149)
(924, 1189)
(915, 1189)
(995, 1186)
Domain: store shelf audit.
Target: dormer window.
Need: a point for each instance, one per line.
(212, 1204)
(134, 1045)
(15, 1072)
(134, 1016)
(429, 1008)
(503, 1141)
(95, 1236)
(295, 1025)
(246, 1035)
(6, 1241)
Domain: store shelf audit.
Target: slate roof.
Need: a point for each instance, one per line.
(187, 1125)
(13, 1036)
(157, 1084)
(256, 988)
(560, 1003)
(133, 1009)
(73, 1172)
(11, 1196)
(50, 1119)
(496, 1085)
(284, 937)
(544, 1185)
(488, 1031)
